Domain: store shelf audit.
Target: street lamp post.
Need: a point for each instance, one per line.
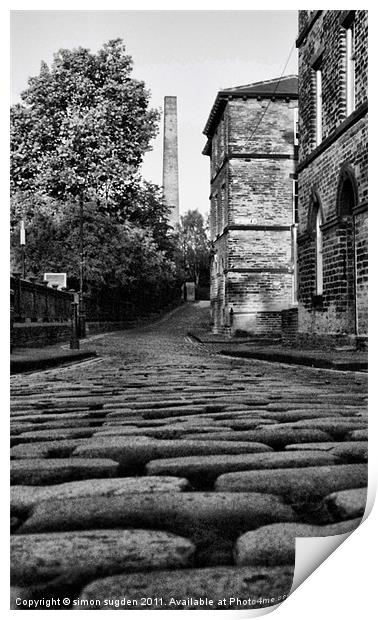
(81, 269)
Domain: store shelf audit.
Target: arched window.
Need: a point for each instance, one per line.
(347, 194)
(318, 253)
(314, 226)
(347, 200)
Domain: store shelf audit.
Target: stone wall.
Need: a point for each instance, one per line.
(36, 301)
(219, 312)
(251, 215)
(274, 135)
(35, 335)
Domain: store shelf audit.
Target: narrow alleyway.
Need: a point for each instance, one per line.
(164, 471)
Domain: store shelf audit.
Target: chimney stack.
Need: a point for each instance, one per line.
(170, 159)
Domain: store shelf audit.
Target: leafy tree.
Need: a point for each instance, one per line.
(117, 254)
(78, 138)
(193, 247)
(83, 128)
(149, 210)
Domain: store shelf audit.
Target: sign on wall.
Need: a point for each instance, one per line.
(56, 278)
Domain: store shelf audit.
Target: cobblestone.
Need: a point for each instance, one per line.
(24, 497)
(219, 588)
(347, 504)
(197, 515)
(138, 451)
(275, 544)
(44, 449)
(294, 484)
(273, 436)
(51, 471)
(213, 466)
(79, 556)
(84, 438)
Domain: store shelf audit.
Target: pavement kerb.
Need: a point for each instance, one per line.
(42, 362)
(289, 356)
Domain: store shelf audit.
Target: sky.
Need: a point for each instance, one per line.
(189, 54)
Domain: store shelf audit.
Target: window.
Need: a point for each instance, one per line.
(350, 72)
(223, 207)
(215, 197)
(318, 106)
(315, 223)
(295, 201)
(213, 216)
(296, 127)
(319, 253)
(294, 229)
(219, 214)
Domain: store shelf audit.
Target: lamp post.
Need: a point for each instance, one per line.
(22, 245)
(81, 268)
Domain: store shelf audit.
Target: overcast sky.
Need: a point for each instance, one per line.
(190, 54)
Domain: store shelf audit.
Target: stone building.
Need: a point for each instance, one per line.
(332, 175)
(252, 137)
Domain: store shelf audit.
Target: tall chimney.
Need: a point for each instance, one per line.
(170, 159)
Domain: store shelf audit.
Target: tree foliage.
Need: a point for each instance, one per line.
(82, 129)
(115, 254)
(193, 247)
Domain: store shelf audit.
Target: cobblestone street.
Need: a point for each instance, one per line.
(162, 470)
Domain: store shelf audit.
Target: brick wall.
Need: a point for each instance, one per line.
(342, 308)
(361, 248)
(327, 34)
(289, 325)
(323, 173)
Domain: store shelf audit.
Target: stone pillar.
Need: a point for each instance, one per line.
(170, 159)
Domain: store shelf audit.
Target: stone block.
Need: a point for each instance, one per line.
(44, 449)
(200, 516)
(23, 497)
(345, 451)
(52, 471)
(215, 465)
(136, 451)
(270, 435)
(326, 446)
(336, 428)
(348, 504)
(273, 545)
(352, 451)
(75, 557)
(296, 485)
(55, 433)
(359, 435)
(192, 589)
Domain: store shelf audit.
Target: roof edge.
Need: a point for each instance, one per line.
(226, 95)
